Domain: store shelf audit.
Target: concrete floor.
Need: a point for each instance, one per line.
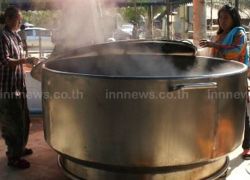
(238, 168)
(44, 161)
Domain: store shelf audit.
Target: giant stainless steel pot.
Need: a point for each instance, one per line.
(143, 116)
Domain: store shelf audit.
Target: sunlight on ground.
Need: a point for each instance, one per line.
(238, 169)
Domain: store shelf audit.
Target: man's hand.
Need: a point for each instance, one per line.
(14, 62)
(27, 67)
(32, 60)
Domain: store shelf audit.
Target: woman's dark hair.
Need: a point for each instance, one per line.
(11, 12)
(233, 12)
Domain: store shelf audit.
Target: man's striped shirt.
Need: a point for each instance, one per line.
(11, 79)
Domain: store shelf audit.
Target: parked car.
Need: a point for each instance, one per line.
(35, 33)
(28, 25)
(128, 28)
(124, 32)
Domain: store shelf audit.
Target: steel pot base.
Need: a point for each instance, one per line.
(210, 170)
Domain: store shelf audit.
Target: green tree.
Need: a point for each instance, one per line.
(47, 19)
(244, 5)
(132, 14)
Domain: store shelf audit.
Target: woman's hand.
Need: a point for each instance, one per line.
(206, 43)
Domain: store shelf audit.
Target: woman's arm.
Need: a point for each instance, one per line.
(238, 41)
(237, 49)
(229, 51)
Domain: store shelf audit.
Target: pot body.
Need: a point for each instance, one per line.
(142, 120)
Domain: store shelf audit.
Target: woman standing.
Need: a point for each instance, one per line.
(231, 44)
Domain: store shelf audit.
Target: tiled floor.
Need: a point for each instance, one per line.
(44, 161)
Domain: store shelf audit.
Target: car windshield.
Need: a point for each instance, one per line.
(36, 32)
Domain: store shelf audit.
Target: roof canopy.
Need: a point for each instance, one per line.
(56, 4)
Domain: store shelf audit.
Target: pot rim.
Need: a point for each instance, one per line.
(214, 75)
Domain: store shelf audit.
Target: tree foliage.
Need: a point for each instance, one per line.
(134, 14)
(47, 19)
(244, 5)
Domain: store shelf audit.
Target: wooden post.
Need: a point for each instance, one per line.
(200, 21)
(40, 44)
(168, 22)
(211, 14)
(150, 23)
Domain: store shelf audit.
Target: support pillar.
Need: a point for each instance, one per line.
(199, 20)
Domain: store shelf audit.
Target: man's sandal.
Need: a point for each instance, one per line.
(18, 163)
(246, 154)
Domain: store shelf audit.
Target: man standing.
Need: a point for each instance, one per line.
(14, 114)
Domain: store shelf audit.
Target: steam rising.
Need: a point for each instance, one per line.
(81, 24)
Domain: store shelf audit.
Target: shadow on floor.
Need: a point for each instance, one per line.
(234, 163)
